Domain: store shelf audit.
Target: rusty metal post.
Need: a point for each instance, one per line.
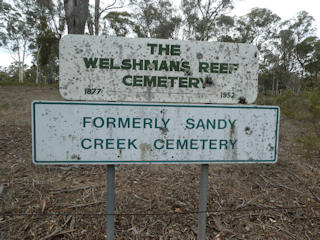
(202, 218)
(110, 201)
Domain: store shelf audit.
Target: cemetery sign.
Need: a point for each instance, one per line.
(123, 133)
(157, 70)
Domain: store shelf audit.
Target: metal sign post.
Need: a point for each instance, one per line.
(202, 218)
(110, 201)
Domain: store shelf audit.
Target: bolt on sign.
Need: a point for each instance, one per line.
(157, 70)
(125, 133)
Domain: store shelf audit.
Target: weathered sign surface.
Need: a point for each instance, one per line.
(157, 70)
(123, 133)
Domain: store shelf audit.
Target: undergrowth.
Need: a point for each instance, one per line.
(26, 84)
(304, 107)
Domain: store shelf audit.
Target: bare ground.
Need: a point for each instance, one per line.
(279, 201)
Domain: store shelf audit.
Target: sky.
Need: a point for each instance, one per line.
(286, 9)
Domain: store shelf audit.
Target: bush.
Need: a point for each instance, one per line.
(304, 107)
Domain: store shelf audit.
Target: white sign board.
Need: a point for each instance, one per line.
(123, 133)
(157, 70)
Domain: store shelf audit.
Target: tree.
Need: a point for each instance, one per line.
(16, 33)
(257, 27)
(154, 19)
(47, 53)
(201, 15)
(286, 47)
(304, 53)
(48, 23)
(76, 12)
(296, 46)
(224, 27)
(301, 25)
(120, 22)
(313, 65)
(97, 12)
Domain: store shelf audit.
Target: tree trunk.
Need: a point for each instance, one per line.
(277, 87)
(273, 84)
(96, 17)
(38, 66)
(316, 80)
(76, 14)
(38, 75)
(20, 66)
(90, 24)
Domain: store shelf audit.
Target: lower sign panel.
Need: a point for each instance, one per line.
(123, 133)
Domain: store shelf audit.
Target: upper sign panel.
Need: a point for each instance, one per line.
(157, 70)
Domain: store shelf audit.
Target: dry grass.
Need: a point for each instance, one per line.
(241, 196)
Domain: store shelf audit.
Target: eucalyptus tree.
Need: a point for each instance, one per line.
(257, 27)
(225, 29)
(200, 17)
(49, 24)
(296, 44)
(100, 10)
(303, 27)
(120, 22)
(76, 12)
(16, 33)
(313, 64)
(155, 19)
(304, 55)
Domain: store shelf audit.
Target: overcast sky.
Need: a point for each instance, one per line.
(286, 9)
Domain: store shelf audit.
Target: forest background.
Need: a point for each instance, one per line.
(289, 50)
(279, 201)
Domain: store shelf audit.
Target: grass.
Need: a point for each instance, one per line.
(4, 106)
(304, 108)
(27, 84)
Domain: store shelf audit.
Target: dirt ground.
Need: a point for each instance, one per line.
(257, 201)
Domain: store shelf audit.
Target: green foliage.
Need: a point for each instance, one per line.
(48, 45)
(314, 103)
(28, 84)
(257, 26)
(154, 19)
(4, 106)
(305, 108)
(120, 22)
(309, 142)
(204, 17)
(4, 77)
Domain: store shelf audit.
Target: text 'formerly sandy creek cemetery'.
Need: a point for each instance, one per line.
(102, 133)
